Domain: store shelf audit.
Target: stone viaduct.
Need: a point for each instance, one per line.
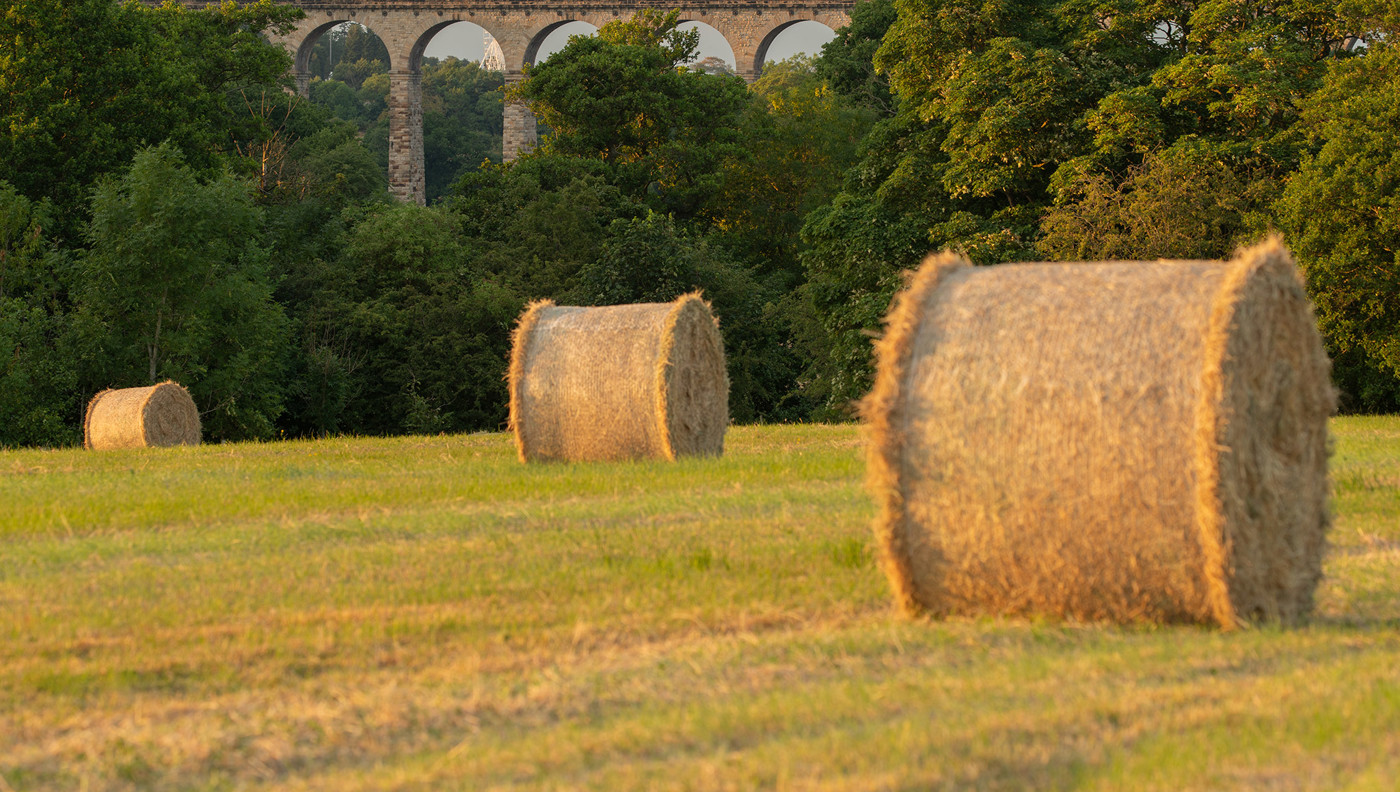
(520, 28)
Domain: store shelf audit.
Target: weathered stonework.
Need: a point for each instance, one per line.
(520, 27)
(406, 134)
(518, 129)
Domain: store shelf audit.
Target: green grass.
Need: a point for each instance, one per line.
(427, 613)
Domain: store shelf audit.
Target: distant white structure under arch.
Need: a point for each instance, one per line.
(493, 59)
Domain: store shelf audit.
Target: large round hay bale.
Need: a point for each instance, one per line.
(1125, 441)
(619, 382)
(160, 415)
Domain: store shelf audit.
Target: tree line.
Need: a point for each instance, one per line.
(169, 210)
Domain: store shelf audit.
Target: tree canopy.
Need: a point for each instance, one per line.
(84, 84)
(1089, 129)
(169, 209)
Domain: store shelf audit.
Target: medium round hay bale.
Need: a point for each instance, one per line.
(619, 382)
(160, 415)
(1125, 441)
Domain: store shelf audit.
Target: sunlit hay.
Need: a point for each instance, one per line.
(619, 382)
(1124, 441)
(159, 415)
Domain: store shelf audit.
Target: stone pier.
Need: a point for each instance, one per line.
(518, 129)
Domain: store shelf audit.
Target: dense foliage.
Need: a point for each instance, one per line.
(1341, 213)
(168, 209)
(461, 109)
(1086, 129)
(84, 84)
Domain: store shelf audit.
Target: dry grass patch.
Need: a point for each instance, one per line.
(370, 616)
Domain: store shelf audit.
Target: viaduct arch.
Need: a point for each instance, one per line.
(520, 27)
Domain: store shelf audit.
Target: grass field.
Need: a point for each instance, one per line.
(426, 613)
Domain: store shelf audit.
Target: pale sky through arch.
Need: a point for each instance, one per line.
(464, 41)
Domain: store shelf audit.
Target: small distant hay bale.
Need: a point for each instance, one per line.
(160, 415)
(1124, 441)
(618, 382)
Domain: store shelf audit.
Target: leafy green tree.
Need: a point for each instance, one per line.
(1220, 106)
(623, 97)
(1181, 203)
(856, 253)
(306, 238)
(1341, 215)
(354, 73)
(346, 44)
(992, 99)
(71, 105)
(332, 176)
(334, 162)
(363, 106)
(537, 222)
(1017, 104)
(981, 103)
(175, 286)
(798, 138)
(359, 43)
(847, 62)
(85, 83)
(413, 337)
(38, 380)
(1064, 128)
(463, 91)
(645, 259)
(374, 100)
(462, 117)
(340, 100)
(224, 53)
(281, 119)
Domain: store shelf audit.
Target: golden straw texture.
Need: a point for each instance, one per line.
(618, 382)
(155, 416)
(1125, 441)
